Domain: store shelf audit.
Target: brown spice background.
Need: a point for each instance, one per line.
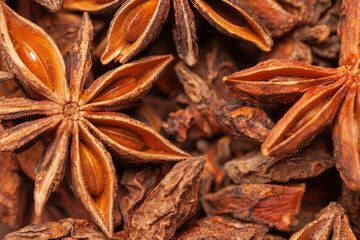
(227, 189)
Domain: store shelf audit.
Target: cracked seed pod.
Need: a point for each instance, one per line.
(330, 223)
(138, 22)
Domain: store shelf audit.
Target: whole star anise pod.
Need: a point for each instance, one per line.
(81, 122)
(321, 94)
(138, 22)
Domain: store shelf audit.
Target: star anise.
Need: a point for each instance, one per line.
(137, 23)
(321, 94)
(330, 223)
(81, 122)
(51, 5)
(93, 6)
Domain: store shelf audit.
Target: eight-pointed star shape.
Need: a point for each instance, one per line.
(81, 122)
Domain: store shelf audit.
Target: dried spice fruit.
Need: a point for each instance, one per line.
(244, 121)
(208, 116)
(164, 209)
(51, 5)
(134, 187)
(217, 227)
(330, 223)
(70, 113)
(92, 6)
(275, 16)
(67, 228)
(273, 205)
(13, 192)
(253, 167)
(205, 116)
(137, 23)
(322, 95)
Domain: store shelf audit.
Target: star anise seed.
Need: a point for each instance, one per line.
(137, 23)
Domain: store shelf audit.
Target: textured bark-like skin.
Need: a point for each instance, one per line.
(63, 112)
(330, 222)
(92, 6)
(65, 228)
(324, 94)
(274, 205)
(134, 187)
(256, 32)
(249, 121)
(165, 209)
(117, 47)
(216, 227)
(185, 32)
(256, 168)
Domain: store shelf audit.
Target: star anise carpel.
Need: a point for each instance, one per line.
(82, 124)
(92, 6)
(322, 96)
(138, 22)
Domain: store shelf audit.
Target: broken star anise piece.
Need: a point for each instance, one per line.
(171, 203)
(330, 223)
(273, 205)
(138, 22)
(322, 95)
(217, 227)
(67, 228)
(51, 5)
(82, 122)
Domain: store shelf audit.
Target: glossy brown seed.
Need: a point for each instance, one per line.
(123, 137)
(35, 59)
(137, 20)
(134, 26)
(116, 89)
(93, 173)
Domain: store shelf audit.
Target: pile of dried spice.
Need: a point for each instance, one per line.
(177, 119)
